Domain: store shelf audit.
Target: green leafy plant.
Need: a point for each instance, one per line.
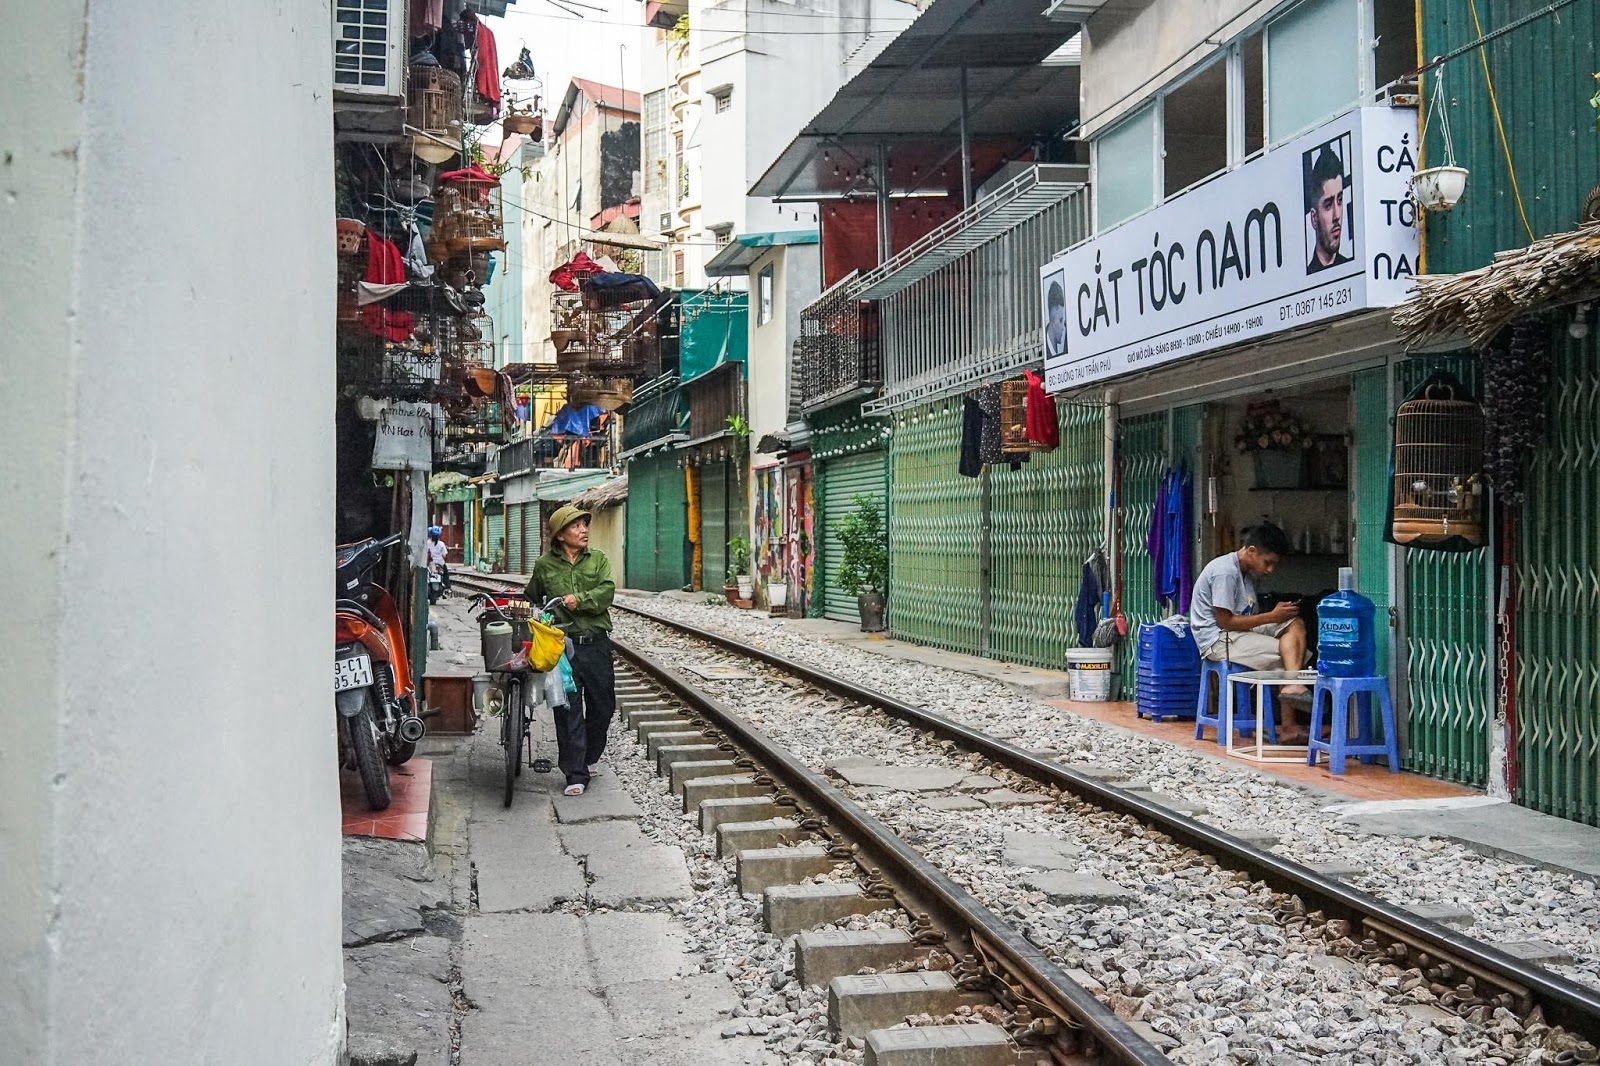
(738, 558)
(739, 426)
(864, 562)
(679, 36)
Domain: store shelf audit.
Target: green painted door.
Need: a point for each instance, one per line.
(640, 547)
(1447, 638)
(935, 534)
(714, 524)
(1558, 601)
(841, 479)
(1142, 457)
(657, 528)
(1044, 521)
(1371, 428)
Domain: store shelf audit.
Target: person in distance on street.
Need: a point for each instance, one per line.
(581, 577)
(1228, 627)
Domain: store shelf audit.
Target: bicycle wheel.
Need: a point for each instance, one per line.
(513, 737)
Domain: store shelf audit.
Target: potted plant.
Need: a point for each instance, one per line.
(864, 563)
(739, 567)
(1277, 441)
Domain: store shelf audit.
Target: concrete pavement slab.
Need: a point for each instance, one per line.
(1488, 826)
(595, 805)
(656, 874)
(630, 947)
(1042, 851)
(696, 1005)
(903, 778)
(1062, 887)
(518, 859)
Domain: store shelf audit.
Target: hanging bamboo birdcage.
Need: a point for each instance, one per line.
(433, 101)
(1438, 470)
(1014, 418)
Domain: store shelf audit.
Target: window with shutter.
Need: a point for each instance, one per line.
(367, 40)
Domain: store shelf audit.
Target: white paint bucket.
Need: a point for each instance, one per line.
(1089, 674)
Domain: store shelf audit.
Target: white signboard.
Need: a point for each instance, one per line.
(405, 437)
(1315, 229)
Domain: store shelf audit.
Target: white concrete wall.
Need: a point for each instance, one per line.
(169, 812)
(1133, 47)
(796, 281)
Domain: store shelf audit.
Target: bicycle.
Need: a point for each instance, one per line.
(516, 685)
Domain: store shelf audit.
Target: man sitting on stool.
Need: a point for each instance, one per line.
(1227, 628)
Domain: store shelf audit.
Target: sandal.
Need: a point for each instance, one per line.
(597, 771)
(572, 790)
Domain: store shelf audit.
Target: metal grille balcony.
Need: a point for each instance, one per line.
(837, 354)
(659, 413)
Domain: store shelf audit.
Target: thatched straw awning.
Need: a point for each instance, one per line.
(610, 494)
(1557, 270)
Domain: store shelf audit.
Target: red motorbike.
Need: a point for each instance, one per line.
(373, 691)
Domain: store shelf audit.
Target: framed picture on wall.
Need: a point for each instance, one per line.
(1329, 462)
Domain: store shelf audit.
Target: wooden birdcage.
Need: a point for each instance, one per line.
(465, 222)
(433, 101)
(1438, 470)
(608, 394)
(1014, 418)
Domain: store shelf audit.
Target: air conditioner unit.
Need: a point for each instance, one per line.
(369, 47)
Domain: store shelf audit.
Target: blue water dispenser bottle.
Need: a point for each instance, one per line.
(1346, 640)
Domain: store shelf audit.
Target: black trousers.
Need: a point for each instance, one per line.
(581, 727)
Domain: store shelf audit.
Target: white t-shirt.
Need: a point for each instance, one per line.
(1221, 584)
(436, 552)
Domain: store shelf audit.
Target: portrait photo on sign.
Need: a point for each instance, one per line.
(1054, 292)
(1330, 231)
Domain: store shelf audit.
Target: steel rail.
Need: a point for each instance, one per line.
(1564, 1002)
(901, 862)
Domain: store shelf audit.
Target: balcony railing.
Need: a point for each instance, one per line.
(659, 414)
(542, 451)
(715, 398)
(838, 353)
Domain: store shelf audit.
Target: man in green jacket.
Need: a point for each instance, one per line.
(581, 578)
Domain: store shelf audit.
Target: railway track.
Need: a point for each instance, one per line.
(1036, 1001)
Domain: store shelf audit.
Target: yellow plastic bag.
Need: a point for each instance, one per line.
(546, 645)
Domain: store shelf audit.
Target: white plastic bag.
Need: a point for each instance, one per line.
(555, 693)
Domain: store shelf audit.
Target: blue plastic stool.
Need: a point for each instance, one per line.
(1244, 713)
(1367, 747)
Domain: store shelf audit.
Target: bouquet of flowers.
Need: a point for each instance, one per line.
(1267, 425)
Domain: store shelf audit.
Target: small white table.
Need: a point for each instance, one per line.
(1261, 680)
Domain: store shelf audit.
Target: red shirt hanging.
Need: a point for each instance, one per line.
(1042, 427)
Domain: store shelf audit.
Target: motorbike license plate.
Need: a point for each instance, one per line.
(355, 672)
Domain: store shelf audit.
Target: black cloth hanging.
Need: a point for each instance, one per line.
(971, 436)
(989, 446)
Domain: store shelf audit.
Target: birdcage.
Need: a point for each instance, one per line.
(433, 101)
(1438, 470)
(1014, 418)
(466, 213)
(608, 394)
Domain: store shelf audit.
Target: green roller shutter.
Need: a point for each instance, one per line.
(1447, 636)
(495, 536)
(841, 480)
(714, 524)
(1558, 597)
(513, 562)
